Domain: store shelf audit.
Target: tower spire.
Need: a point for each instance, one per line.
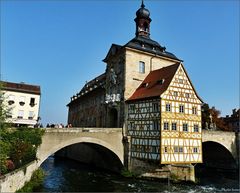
(142, 4)
(143, 21)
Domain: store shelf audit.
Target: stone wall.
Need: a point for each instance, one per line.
(153, 170)
(15, 180)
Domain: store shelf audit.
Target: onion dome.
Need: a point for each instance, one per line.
(143, 12)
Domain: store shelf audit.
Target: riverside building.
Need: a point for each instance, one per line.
(146, 90)
(23, 103)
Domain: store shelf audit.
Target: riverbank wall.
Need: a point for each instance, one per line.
(15, 180)
(153, 170)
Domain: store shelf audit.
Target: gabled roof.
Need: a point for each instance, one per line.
(21, 87)
(155, 83)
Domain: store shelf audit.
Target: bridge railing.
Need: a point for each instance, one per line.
(80, 129)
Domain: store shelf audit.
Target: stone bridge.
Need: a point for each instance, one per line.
(218, 146)
(56, 139)
(221, 146)
(111, 138)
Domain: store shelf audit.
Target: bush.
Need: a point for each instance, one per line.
(35, 182)
(18, 145)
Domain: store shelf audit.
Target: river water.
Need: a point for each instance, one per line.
(64, 175)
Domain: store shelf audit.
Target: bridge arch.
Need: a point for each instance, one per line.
(218, 155)
(53, 141)
(64, 144)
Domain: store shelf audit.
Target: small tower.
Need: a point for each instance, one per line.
(143, 21)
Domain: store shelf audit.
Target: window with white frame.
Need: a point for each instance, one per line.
(180, 149)
(185, 127)
(174, 126)
(195, 128)
(175, 149)
(181, 108)
(165, 149)
(165, 126)
(194, 110)
(195, 150)
(141, 67)
(168, 107)
(175, 93)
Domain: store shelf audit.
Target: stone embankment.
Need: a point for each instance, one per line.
(15, 180)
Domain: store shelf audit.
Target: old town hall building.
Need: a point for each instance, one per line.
(146, 91)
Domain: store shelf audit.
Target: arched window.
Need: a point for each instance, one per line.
(141, 67)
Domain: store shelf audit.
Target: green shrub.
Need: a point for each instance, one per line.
(18, 145)
(35, 182)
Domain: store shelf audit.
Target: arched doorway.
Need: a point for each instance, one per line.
(113, 118)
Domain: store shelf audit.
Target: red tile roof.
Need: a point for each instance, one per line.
(155, 83)
(21, 87)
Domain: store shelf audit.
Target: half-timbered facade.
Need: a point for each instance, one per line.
(164, 118)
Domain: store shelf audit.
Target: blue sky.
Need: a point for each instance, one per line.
(60, 45)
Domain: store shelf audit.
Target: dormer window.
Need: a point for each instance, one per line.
(144, 85)
(160, 82)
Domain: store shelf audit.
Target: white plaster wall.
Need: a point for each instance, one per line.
(14, 108)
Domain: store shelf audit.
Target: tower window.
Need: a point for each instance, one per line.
(146, 27)
(141, 67)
